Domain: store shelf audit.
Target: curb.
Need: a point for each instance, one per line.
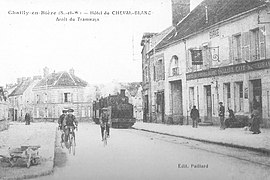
(260, 150)
(38, 174)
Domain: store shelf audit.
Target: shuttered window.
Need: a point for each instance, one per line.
(257, 44)
(237, 47)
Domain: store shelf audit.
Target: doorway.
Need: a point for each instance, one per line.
(208, 102)
(256, 94)
(160, 106)
(146, 109)
(176, 100)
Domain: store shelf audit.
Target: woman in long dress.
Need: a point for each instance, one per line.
(256, 119)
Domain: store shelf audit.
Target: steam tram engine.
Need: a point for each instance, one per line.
(120, 110)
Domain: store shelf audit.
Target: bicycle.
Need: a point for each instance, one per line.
(70, 139)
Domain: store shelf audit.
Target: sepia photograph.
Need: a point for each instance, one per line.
(135, 89)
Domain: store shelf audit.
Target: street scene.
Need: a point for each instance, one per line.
(171, 89)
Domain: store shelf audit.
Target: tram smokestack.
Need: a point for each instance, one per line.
(122, 92)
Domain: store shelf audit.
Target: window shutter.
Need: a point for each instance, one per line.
(234, 47)
(243, 43)
(230, 50)
(262, 42)
(71, 97)
(252, 46)
(245, 46)
(61, 97)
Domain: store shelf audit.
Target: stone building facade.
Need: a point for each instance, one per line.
(58, 91)
(155, 72)
(21, 99)
(4, 122)
(220, 52)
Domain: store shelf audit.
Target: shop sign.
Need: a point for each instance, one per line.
(239, 68)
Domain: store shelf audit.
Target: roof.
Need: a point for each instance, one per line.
(19, 90)
(157, 38)
(61, 79)
(217, 11)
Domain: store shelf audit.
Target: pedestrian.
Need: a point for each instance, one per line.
(195, 115)
(104, 120)
(27, 119)
(256, 120)
(71, 124)
(221, 115)
(231, 120)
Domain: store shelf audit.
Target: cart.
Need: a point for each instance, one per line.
(28, 155)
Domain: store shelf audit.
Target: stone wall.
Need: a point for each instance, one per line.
(4, 124)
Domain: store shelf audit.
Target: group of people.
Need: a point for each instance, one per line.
(255, 117)
(67, 123)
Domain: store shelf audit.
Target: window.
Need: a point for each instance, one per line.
(174, 66)
(245, 42)
(146, 74)
(237, 47)
(45, 98)
(159, 101)
(38, 99)
(239, 105)
(258, 48)
(159, 70)
(255, 44)
(67, 97)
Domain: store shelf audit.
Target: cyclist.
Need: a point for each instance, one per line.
(70, 124)
(61, 123)
(104, 119)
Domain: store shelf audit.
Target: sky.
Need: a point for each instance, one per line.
(100, 52)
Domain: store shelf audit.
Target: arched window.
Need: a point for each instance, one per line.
(174, 66)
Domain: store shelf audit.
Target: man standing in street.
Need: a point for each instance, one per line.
(194, 114)
(221, 114)
(27, 119)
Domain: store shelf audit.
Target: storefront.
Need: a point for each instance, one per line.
(240, 87)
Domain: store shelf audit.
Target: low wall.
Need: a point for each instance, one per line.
(79, 119)
(4, 124)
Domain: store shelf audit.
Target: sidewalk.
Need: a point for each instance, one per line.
(18, 134)
(233, 137)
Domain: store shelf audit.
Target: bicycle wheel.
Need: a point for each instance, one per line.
(105, 138)
(69, 143)
(72, 144)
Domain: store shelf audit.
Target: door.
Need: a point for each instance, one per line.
(160, 106)
(146, 109)
(257, 93)
(208, 103)
(176, 100)
(15, 115)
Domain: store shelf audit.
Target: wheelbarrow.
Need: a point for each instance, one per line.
(29, 155)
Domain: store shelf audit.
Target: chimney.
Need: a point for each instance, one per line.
(122, 92)
(45, 71)
(19, 80)
(71, 71)
(180, 8)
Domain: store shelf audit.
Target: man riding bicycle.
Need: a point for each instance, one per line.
(104, 120)
(70, 124)
(61, 123)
